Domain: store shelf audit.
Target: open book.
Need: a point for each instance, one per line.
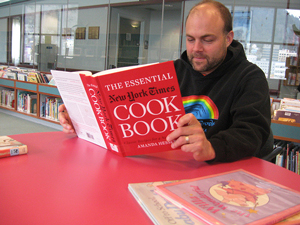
(128, 110)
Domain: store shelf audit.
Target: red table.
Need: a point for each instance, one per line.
(66, 180)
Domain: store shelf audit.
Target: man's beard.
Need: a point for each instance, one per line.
(209, 66)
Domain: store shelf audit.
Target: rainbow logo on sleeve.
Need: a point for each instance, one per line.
(201, 106)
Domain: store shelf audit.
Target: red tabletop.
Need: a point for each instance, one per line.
(66, 180)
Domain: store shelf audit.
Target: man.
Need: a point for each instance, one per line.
(225, 96)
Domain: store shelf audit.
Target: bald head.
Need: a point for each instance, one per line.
(214, 9)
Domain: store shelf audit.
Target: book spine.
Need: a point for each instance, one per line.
(101, 113)
(13, 151)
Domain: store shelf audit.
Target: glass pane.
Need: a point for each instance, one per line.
(69, 24)
(79, 35)
(134, 36)
(83, 40)
(31, 33)
(262, 24)
(280, 53)
(242, 24)
(16, 40)
(188, 5)
(129, 42)
(151, 41)
(285, 21)
(3, 40)
(48, 45)
(172, 31)
(259, 54)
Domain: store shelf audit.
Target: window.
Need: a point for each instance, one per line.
(86, 35)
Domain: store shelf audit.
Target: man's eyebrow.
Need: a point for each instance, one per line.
(203, 36)
(208, 35)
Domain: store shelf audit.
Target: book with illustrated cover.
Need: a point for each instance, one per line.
(32, 77)
(159, 210)
(128, 110)
(235, 197)
(11, 147)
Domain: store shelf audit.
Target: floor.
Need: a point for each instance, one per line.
(16, 123)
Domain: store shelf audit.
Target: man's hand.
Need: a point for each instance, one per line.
(65, 120)
(190, 137)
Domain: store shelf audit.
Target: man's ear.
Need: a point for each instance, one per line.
(229, 38)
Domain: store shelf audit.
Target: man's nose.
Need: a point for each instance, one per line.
(198, 47)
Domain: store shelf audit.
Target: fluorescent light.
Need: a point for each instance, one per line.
(1, 1)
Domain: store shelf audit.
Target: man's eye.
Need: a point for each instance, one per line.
(208, 40)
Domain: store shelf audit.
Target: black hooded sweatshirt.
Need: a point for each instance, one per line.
(232, 104)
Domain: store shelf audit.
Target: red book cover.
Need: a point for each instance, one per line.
(141, 106)
(235, 197)
(135, 108)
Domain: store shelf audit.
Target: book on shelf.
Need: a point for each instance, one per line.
(158, 209)
(11, 147)
(11, 75)
(289, 158)
(33, 77)
(234, 197)
(3, 67)
(22, 76)
(293, 61)
(7, 98)
(29, 75)
(27, 102)
(49, 107)
(289, 103)
(287, 115)
(128, 110)
(45, 78)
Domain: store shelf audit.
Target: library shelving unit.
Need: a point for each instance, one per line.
(40, 93)
(292, 73)
(282, 130)
(286, 152)
(286, 131)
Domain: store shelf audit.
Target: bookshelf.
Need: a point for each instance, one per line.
(286, 131)
(292, 73)
(44, 99)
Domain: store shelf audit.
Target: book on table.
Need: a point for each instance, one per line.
(235, 197)
(158, 209)
(11, 147)
(128, 110)
(161, 211)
